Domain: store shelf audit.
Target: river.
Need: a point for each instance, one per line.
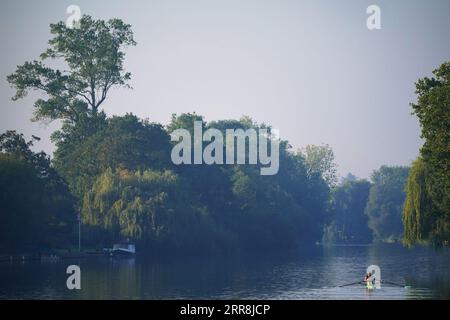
(316, 273)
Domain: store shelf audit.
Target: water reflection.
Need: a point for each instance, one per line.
(311, 274)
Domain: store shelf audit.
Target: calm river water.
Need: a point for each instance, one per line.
(313, 274)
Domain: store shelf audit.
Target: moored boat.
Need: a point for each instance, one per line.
(121, 249)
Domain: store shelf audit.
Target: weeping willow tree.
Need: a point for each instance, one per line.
(416, 204)
(138, 205)
(154, 209)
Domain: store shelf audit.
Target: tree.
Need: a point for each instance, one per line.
(385, 205)
(429, 187)
(151, 208)
(419, 213)
(259, 212)
(37, 210)
(320, 159)
(94, 54)
(433, 111)
(184, 121)
(349, 224)
(121, 142)
(349, 177)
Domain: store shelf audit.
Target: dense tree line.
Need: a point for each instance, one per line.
(363, 211)
(347, 221)
(128, 189)
(135, 192)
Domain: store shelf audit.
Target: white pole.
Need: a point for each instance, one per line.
(79, 232)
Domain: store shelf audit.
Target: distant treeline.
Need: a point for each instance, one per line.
(123, 182)
(363, 211)
(116, 172)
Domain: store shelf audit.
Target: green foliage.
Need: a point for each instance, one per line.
(433, 112)
(427, 211)
(265, 212)
(94, 55)
(36, 207)
(260, 211)
(184, 121)
(421, 218)
(152, 208)
(348, 223)
(120, 142)
(385, 204)
(193, 208)
(131, 204)
(418, 205)
(320, 159)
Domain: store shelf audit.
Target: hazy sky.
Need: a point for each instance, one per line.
(310, 68)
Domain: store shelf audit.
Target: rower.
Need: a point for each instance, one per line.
(369, 281)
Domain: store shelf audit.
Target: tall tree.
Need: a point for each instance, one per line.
(433, 111)
(94, 54)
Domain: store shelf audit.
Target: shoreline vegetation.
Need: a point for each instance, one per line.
(55, 255)
(116, 174)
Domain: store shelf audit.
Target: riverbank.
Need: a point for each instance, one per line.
(57, 255)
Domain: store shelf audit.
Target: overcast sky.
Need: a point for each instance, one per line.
(312, 69)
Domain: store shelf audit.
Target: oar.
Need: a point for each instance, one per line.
(394, 284)
(349, 284)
